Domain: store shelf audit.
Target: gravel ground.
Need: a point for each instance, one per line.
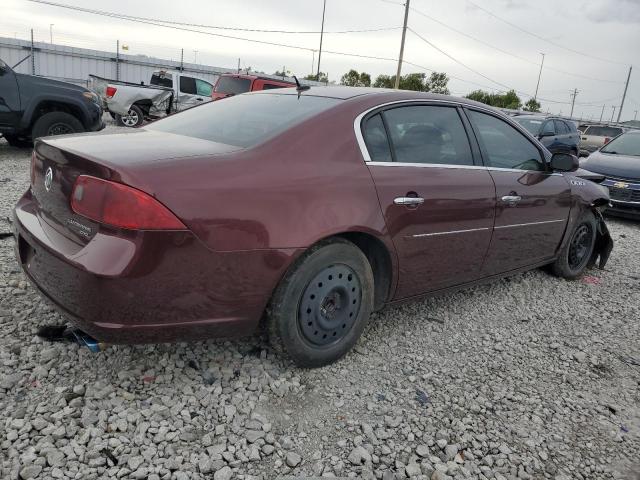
(530, 377)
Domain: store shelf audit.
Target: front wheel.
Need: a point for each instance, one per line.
(56, 123)
(576, 254)
(321, 307)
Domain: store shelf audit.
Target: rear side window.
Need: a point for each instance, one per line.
(188, 85)
(233, 85)
(503, 145)
(244, 120)
(162, 79)
(375, 136)
(203, 88)
(605, 131)
(428, 134)
(272, 86)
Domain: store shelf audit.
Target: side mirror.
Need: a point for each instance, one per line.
(564, 162)
(546, 134)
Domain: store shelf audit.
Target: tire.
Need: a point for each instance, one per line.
(133, 119)
(576, 254)
(322, 305)
(56, 123)
(17, 142)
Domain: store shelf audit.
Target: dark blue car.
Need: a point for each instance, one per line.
(558, 135)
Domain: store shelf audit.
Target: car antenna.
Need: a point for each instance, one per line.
(300, 88)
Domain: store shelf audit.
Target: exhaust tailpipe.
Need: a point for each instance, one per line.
(88, 341)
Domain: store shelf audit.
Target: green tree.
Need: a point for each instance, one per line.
(532, 105)
(318, 78)
(500, 100)
(354, 79)
(436, 83)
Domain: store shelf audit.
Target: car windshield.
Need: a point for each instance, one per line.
(233, 85)
(244, 120)
(531, 124)
(627, 144)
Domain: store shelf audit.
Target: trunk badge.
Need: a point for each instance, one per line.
(48, 179)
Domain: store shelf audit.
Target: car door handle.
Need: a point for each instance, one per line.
(199, 99)
(584, 138)
(511, 200)
(408, 201)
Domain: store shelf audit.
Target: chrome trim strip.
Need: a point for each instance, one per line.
(420, 235)
(459, 167)
(528, 224)
(624, 202)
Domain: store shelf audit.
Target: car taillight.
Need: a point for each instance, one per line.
(607, 140)
(33, 167)
(110, 91)
(121, 206)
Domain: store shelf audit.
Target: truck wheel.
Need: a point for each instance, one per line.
(575, 256)
(56, 123)
(17, 142)
(321, 307)
(134, 118)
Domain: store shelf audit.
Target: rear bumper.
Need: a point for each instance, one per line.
(147, 287)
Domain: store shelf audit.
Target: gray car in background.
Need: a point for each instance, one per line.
(593, 137)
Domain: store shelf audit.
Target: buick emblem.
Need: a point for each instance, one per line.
(48, 179)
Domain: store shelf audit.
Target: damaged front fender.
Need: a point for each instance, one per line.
(604, 243)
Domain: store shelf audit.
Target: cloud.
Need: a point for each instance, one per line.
(618, 11)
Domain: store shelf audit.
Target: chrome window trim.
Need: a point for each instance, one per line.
(357, 128)
(528, 224)
(627, 202)
(453, 166)
(420, 235)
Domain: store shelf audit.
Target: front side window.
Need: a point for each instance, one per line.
(203, 88)
(561, 127)
(503, 145)
(548, 128)
(375, 136)
(428, 134)
(188, 85)
(244, 120)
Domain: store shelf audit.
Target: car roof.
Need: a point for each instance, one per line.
(346, 93)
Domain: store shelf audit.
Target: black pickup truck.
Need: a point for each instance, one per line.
(32, 107)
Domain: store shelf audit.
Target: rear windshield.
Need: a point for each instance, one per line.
(233, 85)
(605, 131)
(531, 124)
(162, 79)
(627, 144)
(244, 120)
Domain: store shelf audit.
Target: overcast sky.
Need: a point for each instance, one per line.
(608, 29)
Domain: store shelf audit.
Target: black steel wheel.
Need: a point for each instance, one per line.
(321, 306)
(575, 255)
(580, 246)
(330, 305)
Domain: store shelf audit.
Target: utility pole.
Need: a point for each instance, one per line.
(313, 60)
(602, 113)
(238, 66)
(404, 34)
(33, 58)
(324, 8)
(51, 33)
(613, 113)
(182, 59)
(195, 56)
(573, 101)
(117, 59)
(626, 86)
(535, 97)
(635, 114)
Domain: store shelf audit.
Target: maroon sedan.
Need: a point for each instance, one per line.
(308, 209)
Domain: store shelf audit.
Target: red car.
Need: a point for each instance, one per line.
(229, 84)
(306, 208)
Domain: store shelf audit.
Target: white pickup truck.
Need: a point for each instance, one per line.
(168, 91)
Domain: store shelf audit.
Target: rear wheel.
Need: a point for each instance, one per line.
(321, 307)
(575, 256)
(133, 118)
(56, 123)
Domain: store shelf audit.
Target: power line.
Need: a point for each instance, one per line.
(199, 25)
(539, 37)
(487, 44)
